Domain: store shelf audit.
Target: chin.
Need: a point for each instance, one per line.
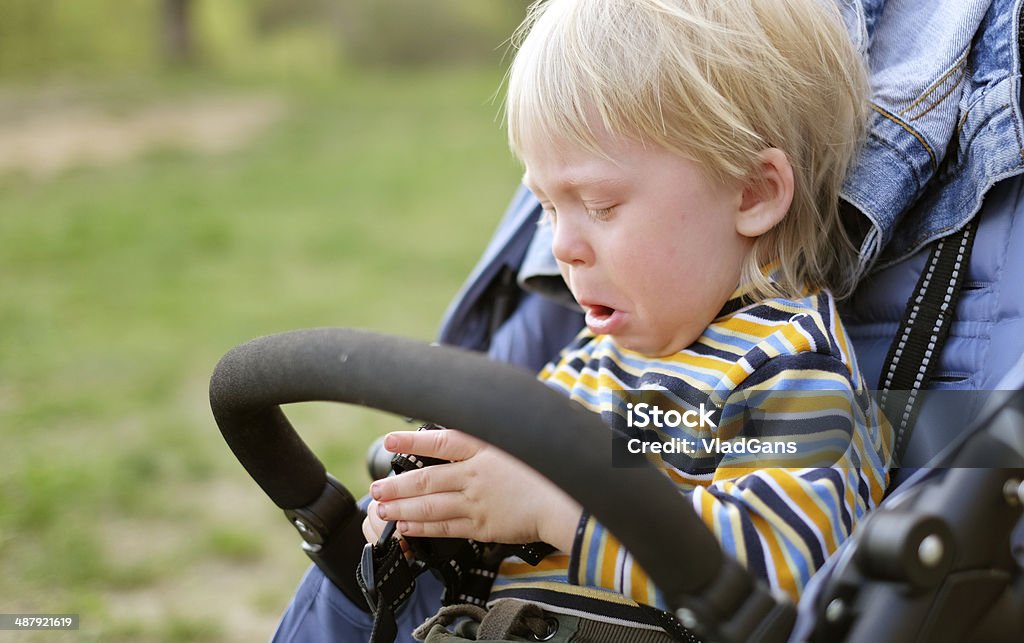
(652, 347)
(647, 348)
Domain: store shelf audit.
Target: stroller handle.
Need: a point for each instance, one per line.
(498, 403)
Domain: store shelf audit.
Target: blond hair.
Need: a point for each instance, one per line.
(716, 81)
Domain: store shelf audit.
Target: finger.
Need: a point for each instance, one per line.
(413, 484)
(455, 528)
(368, 532)
(432, 508)
(446, 444)
(373, 523)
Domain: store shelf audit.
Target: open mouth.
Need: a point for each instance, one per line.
(600, 312)
(601, 319)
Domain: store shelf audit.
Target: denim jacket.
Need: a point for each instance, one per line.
(946, 117)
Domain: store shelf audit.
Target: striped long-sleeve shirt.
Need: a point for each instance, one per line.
(778, 372)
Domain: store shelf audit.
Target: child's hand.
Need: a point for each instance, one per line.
(484, 494)
(373, 526)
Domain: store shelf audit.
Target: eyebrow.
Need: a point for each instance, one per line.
(576, 182)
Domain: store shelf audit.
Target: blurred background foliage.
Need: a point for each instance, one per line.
(177, 177)
(100, 37)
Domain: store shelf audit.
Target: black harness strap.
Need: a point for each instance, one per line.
(922, 333)
(387, 579)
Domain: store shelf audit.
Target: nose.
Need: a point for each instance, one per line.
(569, 242)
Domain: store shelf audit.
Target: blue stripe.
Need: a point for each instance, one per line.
(598, 536)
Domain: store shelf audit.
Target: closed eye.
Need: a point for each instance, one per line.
(601, 214)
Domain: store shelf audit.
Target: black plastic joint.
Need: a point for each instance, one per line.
(891, 546)
(319, 519)
(736, 607)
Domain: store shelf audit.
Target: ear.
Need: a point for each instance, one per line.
(767, 194)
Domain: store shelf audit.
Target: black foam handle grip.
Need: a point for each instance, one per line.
(498, 403)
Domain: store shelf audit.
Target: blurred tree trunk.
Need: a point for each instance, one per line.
(179, 44)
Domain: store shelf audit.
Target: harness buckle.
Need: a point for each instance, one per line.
(367, 581)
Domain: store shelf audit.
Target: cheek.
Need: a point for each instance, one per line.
(564, 270)
(693, 274)
(637, 265)
(716, 246)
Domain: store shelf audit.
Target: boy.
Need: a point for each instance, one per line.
(688, 155)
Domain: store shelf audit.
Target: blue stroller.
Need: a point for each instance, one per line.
(939, 323)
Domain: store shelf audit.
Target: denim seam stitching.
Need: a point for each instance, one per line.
(898, 153)
(941, 98)
(958, 66)
(909, 130)
(980, 129)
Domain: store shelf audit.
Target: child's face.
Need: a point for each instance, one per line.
(646, 243)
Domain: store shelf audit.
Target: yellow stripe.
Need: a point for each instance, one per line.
(776, 380)
(778, 561)
(610, 548)
(844, 343)
(790, 402)
(566, 379)
(746, 328)
(808, 503)
(562, 588)
(649, 369)
(708, 513)
(711, 510)
(555, 562)
(737, 535)
(796, 339)
(722, 346)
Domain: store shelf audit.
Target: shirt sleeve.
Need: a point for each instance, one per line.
(819, 463)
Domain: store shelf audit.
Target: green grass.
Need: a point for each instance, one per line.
(121, 286)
